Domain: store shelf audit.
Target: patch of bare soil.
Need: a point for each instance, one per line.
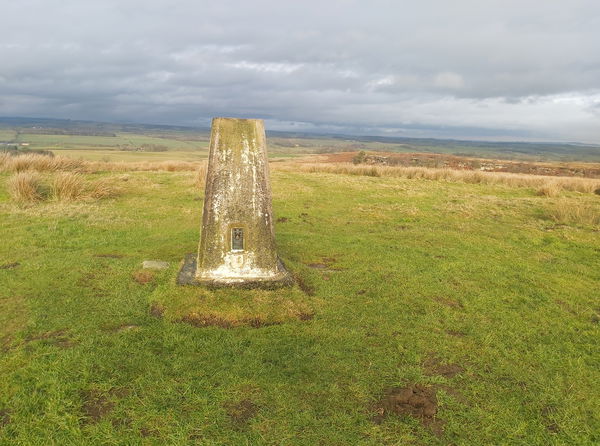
(4, 417)
(456, 333)
(306, 316)
(57, 338)
(306, 288)
(282, 220)
(202, 320)
(415, 400)
(9, 265)
(448, 301)
(95, 406)
(241, 412)
(206, 320)
(157, 310)
(143, 277)
(548, 415)
(434, 366)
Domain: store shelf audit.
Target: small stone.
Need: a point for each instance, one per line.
(155, 264)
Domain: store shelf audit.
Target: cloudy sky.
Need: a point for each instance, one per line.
(463, 68)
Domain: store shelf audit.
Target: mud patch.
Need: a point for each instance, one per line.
(448, 301)
(282, 220)
(456, 333)
(548, 415)
(434, 366)
(56, 338)
(110, 256)
(306, 316)
(206, 320)
(95, 406)
(415, 400)
(10, 265)
(241, 412)
(258, 322)
(306, 288)
(203, 320)
(157, 310)
(4, 417)
(143, 277)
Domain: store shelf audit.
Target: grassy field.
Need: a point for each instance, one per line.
(485, 295)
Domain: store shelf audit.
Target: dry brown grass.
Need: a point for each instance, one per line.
(547, 186)
(67, 186)
(566, 212)
(550, 189)
(25, 187)
(30, 186)
(42, 163)
(200, 177)
(104, 188)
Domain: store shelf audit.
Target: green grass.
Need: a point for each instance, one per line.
(475, 275)
(83, 142)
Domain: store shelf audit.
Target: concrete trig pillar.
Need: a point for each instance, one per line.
(237, 241)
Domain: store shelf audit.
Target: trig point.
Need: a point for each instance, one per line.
(237, 241)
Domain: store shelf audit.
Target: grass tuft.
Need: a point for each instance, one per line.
(67, 186)
(25, 187)
(566, 212)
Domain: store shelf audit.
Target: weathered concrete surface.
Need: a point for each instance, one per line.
(155, 264)
(237, 242)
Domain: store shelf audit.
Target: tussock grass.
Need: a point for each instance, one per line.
(43, 163)
(547, 186)
(31, 187)
(550, 189)
(67, 186)
(566, 212)
(40, 163)
(25, 187)
(104, 188)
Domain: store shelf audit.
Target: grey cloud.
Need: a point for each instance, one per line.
(524, 67)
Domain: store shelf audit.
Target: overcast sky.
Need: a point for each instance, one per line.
(463, 68)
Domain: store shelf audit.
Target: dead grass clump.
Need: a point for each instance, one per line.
(103, 188)
(40, 163)
(67, 186)
(550, 189)
(30, 187)
(25, 187)
(566, 212)
(143, 277)
(200, 177)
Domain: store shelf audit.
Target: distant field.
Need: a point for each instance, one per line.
(74, 135)
(116, 155)
(55, 142)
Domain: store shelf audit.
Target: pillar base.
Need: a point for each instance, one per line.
(188, 276)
